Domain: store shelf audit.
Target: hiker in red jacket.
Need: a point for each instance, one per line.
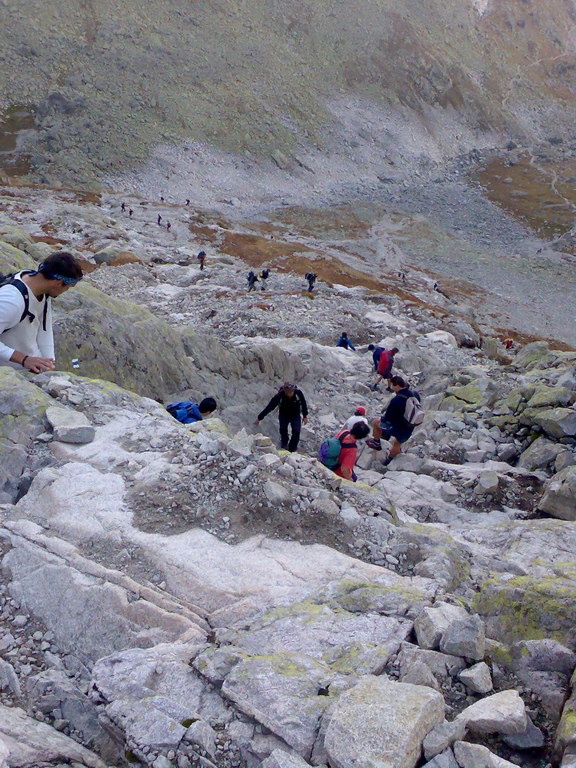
(386, 363)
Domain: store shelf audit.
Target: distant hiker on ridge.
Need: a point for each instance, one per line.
(345, 342)
(168, 226)
(123, 207)
(292, 412)
(311, 277)
(252, 280)
(159, 219)
(26, 336)
(264, 275)
(201, 259)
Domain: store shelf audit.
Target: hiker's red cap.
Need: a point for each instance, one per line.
(360, 411)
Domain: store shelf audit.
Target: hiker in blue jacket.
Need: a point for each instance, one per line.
(345, 342)
(188, 412)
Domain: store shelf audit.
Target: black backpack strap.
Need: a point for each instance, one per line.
(21, 286)
(342, 438)
(45, 312)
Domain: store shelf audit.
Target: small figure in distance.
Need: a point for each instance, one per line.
(201, 260)
(345, 342)
(187, 201)
(397, 424)
(187, 412)
(358, 416)
(252, 280)
(159, 219)
(161, 199)
(26, 336)
(376, 352)
(123, 207)
(130, 212)
(509, 343)
(340, 452)
(292, 412)
(311, 277)
(168, 226)
(264, 275)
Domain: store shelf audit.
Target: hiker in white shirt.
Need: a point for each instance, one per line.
(359, 415)
(26, 337)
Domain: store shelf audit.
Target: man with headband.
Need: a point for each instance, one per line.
(26, 337)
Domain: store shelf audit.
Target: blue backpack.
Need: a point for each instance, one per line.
(184, 411)
(329, 453)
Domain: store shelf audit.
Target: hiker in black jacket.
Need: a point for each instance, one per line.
(292, 411)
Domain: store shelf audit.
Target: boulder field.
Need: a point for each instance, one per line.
(178, 596)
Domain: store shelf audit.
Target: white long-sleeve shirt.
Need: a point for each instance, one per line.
(27, 337)
(349, 423)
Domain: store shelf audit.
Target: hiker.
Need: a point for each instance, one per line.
(130, 212)
(252, 280)
(168, 226)
(386, 363)
(509, 343)
(340, 452)
(123, 207)
(376, 352)
(188, 412)
(402, 415)
(159, 219)
(292, 412)
(345, 342)
(358, 417)
(161, 199)
(187, 201)
(311, 277)
(264, 275)
(26, 336)
(201, 259)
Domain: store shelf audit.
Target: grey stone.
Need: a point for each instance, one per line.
(545, 655)
(8, 678)
(565, 459)
(502, 712)
(381, 722)
(281, 759)
(202, 733)
(70, 426)
(420, 674)
(432, 622)
(442, 665)
(556, 422)
(276, 493)
(442, 736)
(532, 738)
(242, 443)
(35, 743)
(559, 499)
(477, 756)
(477, 678)
(465, 637)
(488, 482)
(539, 454)
(162, 762)
(444, 760)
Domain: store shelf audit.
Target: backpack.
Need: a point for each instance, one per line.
(21, 286)
(413, 411)
(330, 449)
(182, 411)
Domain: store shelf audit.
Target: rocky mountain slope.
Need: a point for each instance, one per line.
(377, 83)
(191, 596)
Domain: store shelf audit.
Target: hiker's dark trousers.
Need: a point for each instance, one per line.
(292, 442)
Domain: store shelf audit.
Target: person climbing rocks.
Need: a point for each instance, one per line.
(386, 363)
(168, 226)
(252, 280)
(339, 453)
(264, 275)
(161, 199)
(345, 342)
(159, 219)
(123, 207)
(188, 412)
(187, 201)
(311, 277)
(201, 260)
(397, 424)
(376, 352)
(130, 212)
(26, 336)
(358, 417)
(292, 412)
